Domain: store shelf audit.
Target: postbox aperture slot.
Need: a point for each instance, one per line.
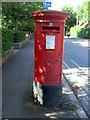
(50, 28)
(50, 42)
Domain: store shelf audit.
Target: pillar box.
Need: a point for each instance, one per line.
(48, 56)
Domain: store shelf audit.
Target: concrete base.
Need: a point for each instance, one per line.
(48, 96)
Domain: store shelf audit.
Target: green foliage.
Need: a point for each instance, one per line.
(84, 33)
(78, 31)
(9, 36)
(7, 39)
(19, 36)
(88, 12)
(16, 15)
(74, 30)
(83, 12)
(72, 20)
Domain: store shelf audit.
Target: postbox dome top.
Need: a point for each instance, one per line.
(50, 15)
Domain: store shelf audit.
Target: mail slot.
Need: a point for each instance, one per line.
(48, 56)
(50, 28)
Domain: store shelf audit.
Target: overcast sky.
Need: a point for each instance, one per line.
(58, 4)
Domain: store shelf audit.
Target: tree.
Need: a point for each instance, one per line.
(72, 20)
(83, 12)
(16, 15)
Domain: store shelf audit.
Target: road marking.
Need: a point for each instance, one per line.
(66, 65)
(85, 76)
(75, 63)
(78, 66)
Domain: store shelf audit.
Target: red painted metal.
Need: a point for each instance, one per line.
(48, 62)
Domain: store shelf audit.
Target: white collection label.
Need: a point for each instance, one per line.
(50, 41)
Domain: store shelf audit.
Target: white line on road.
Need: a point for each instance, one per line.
(78, 66)
(75, 63)
(85, 77)
(66, 65)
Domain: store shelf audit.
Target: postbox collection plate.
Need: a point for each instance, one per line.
(50, 41)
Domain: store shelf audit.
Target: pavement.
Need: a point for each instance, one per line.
(17, 102)
(76, 69)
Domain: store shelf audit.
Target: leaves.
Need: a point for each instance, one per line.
(16, 15)
(7, 39)
(72, 20)
(83, 12)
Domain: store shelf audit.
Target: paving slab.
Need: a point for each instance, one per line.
(78, 80)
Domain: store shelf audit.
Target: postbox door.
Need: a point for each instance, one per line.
(48, 57)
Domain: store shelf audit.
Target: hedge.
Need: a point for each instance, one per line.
(78, 31)
(84, 33)
(7, 39)
(19, 36)
(74, 30)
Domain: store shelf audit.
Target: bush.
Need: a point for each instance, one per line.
(7, 39)
(87, 33)
(75, 30)
(78, 31)
(83, 33)
(19, 36)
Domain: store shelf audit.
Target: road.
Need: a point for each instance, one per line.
(76, 65)
(76, 52)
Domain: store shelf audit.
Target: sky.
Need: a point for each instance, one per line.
(58, 4)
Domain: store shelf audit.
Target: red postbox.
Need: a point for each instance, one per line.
(48, 56)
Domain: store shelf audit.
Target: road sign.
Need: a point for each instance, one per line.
(47, 4)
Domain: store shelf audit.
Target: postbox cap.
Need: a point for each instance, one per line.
(50, 15)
